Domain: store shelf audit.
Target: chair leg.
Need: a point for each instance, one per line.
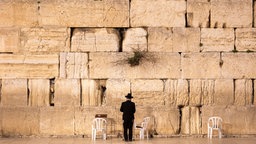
(220, 134)
(210, 133)
(147, 134)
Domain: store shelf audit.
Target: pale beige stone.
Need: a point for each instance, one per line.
(185, 120)
(147, 85)
(195, 120)
(243, 92)
(200, 65)
(231, 13)
(198, 13)
(95, 39)
(170, 90)
(57, 121)
(135, 39)
(148, 98)
(254, 100)
(107, 13)
(14, 92)
(9, 40)
(67, 92)
(238, 65)
(245, 39)
(74, 65)
(207, 92)
(45, 40)
(159, 13)
(217, 39)
(224, 92)
(39, 92)
(195, 94)
(20, 121)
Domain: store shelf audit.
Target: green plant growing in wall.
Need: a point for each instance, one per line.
(136, 58)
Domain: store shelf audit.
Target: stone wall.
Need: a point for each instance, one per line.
(63, 62)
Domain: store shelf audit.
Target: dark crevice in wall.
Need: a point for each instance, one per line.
(234, 90)
(253, 13)
(200, 119)
(235, 40)
(121, 38)
(221, 62)
(71, 35)
(38, 6)
(180, 111)
(81, 96)
(253, 90)
(52, 90)
(188, 81)
(186, 20)
(28, 93)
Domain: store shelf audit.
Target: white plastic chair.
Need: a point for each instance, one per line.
(214, 123)
(99, 124)
(143, 127)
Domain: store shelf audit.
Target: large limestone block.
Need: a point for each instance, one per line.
(195, 93)
(224, 92)
(147, 85)
(18, 13)
(243, 92)
(67, 92)
(20, 121)
(231, 13)
(135, 39)
(237, 120)
(185, 120)
(116, 90)
(14, 92)
(217, 39)
(87, 13)
(115, 65)
(200, 65)
(245, 39)
(57, 121)
(9, 40)
(198, 13)
(254, 101)
(239, 65)
(1, 117)
(207, 92)
(95, 39)
(29, 66)
(45, 40)
(39, 92)
(74, 65)
(159, 13)
(148, 98)
(190, 120)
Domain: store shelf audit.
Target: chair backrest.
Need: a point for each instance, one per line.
(99, 123)
(145, 122)
(215, 122)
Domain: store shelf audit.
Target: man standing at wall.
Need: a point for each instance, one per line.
(128, 109)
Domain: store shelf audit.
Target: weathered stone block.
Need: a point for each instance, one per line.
(195, 94)
(45, 40)
(148, 98)
(207, 92)
(67, 92)
(115, 65)
(159, 13)
(245, 39)
(107, 13)
(200, 65)
(195, 120)
(9, 40)
(39, 92)
(224, 92)
(135, 39)
(239, 65)
(147, 85)
(95, 39)
(217, 39)
(198, 13)
(185, 122)
(254, 101)
(243, 92)
(20, 121)
(57, 121)
(14, 92)
(231, 13)
(74, 65)
(29, 66)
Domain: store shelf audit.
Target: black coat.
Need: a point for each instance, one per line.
(128, 109)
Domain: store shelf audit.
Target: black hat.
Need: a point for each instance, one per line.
(129, 96)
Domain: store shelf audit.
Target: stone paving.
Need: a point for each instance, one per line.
(119, 141)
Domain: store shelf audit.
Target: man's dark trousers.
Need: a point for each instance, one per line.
(128, 125)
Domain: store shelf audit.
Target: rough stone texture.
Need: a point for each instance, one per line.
(239, 65)
(236, 120)
(115, 65)
(135, 39)
(28, 66)
(198, 13)
(148, 98)
(14, 92)
(74, 65)
(207, 91)
(147, 85)
(45, 40)
(95, 39)
(196, 65)
(217, 39)
(245, 39)
(20, 121)
(39, 92)
(224, 92)
(56, 121)
(231, 13)
(9, 40)
(1, 117)
(107, 13)
(159, 13)
(195, 120)
(254, 100)
(195, 93)
(243, 92)
(67, 92)
(185, 122)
